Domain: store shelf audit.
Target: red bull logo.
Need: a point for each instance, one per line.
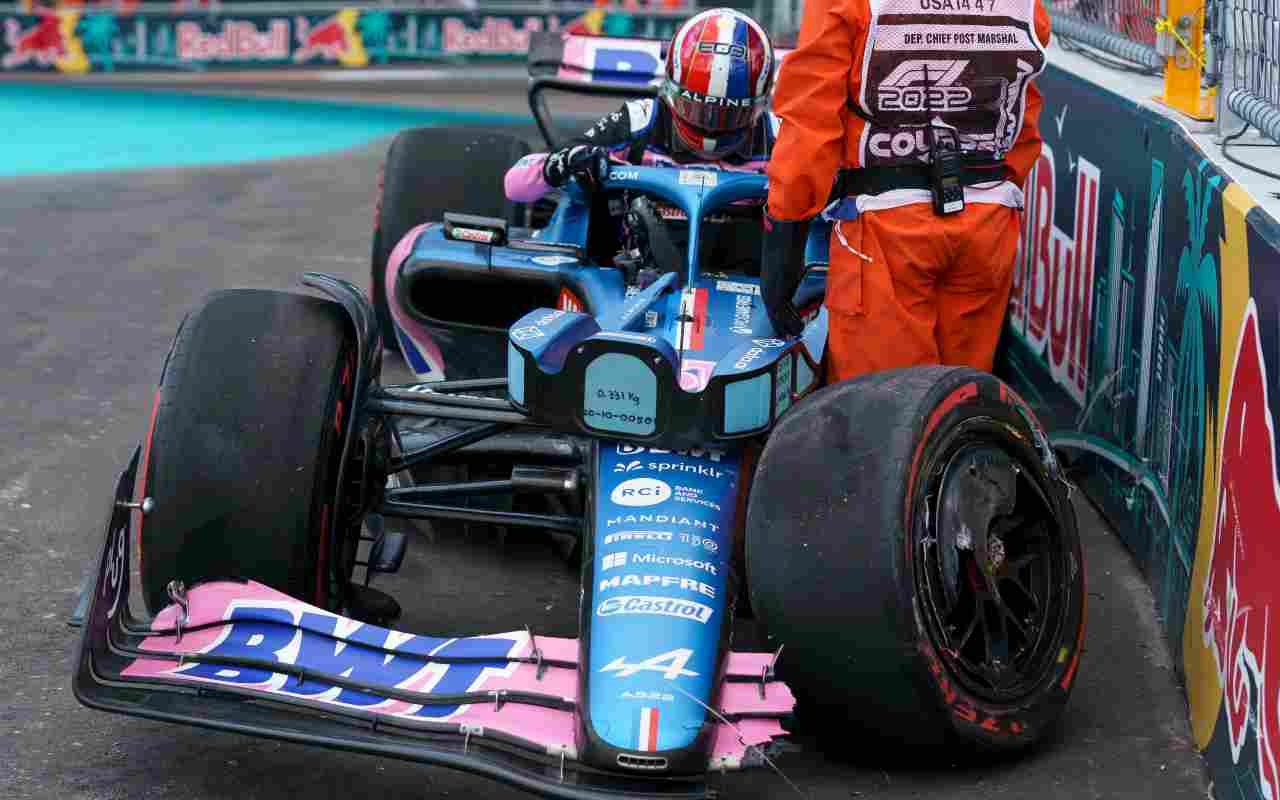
(1241, 590)
(335, 38)
(236, 40)
(42, 44)
(496, 35)
(1051, 305)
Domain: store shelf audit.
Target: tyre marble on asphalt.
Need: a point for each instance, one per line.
(95, 275)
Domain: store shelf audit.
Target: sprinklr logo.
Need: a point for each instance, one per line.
(641, 492)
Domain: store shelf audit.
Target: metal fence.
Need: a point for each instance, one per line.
(1125, 28)
(1247, 42)
(1133, 20)
(1234, 45)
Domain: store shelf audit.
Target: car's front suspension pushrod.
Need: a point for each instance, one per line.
(468, 385)
(448, 444)
(444, 399)
(433, 491)
(393, 508)
(421, 408)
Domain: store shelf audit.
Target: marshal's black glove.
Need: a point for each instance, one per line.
(588, 163)
(781, 267)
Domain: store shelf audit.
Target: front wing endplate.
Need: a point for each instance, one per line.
(252, 660)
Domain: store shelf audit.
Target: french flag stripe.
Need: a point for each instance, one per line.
(699, 326)
(766, 67)
(648, 730)
(739, 71)
(696, 72)
(693, 304)
(721, 65)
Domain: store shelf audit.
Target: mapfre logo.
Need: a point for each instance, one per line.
(641, 492)
(924, 85)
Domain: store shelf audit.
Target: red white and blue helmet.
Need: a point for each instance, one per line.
(718, 76)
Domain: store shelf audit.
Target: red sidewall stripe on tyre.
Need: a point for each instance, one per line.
(964, 709)
(957, 396)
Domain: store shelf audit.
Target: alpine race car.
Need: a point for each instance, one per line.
(906, 536)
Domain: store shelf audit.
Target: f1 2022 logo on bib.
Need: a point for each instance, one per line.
(924, 85)
(641, 492)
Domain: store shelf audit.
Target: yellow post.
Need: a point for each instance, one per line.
(1179, 37)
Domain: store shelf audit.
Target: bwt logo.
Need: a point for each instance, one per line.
(641, 492)
(267, 636)
(1051, 305)
(723, 49)
(924, 85)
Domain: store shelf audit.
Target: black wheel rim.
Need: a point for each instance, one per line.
(992, 578)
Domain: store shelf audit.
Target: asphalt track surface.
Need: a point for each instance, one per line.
(95, 273)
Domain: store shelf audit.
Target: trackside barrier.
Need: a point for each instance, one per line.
(1221, 58)
(1167, 35)
(1087, 33)
(1144, 327)
(256, 35)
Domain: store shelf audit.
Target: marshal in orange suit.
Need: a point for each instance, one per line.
(912, 124)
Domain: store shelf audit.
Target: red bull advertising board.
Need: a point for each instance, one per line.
(1144, 326)
(354, 37)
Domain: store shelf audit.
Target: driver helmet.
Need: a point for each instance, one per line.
(718, 75)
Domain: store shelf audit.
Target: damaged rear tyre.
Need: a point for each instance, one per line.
(242, 459)
(911, 542)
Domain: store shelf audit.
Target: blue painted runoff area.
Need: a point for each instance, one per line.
(58, 129)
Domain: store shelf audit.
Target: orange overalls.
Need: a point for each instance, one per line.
(907, 286)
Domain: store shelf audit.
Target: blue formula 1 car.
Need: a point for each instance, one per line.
(906, 536)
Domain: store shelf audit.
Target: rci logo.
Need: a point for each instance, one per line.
(641, 492)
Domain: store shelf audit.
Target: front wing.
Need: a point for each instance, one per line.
(243, 657)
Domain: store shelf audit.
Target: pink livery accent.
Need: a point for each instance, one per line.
(267, 626)
(695, 374)
(574, 60)
(420, 350)
(524, 182)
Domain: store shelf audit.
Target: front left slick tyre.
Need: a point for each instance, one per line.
(243, 456)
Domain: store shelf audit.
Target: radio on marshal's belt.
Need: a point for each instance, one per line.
(946, 171)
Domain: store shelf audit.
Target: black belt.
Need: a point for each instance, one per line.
(876, 180)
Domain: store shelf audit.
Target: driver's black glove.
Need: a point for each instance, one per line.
(781, 267)
(588, 163)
